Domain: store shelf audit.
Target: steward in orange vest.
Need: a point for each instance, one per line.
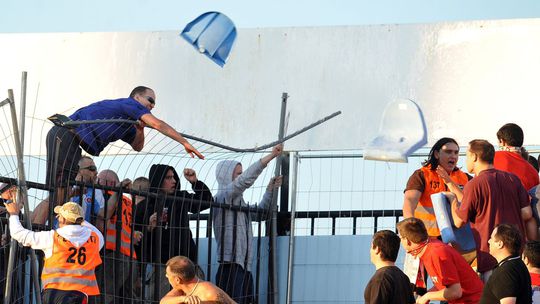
(125, 233)
(439, 173)
(435, 184)
(71, 254)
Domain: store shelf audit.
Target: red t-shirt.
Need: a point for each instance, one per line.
(491, 198)
(446, 266)
(535, 279)
(513, 162)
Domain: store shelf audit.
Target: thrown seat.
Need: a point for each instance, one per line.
(212, 34)
(402, 131)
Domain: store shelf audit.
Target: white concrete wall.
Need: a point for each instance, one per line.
(468, 77)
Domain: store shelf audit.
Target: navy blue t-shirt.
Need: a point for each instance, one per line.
(97, 136)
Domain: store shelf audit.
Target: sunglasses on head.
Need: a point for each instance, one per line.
(150, 99)
(90, 168)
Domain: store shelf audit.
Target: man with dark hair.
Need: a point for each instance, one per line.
(439, 173)
(531, 258)
(510, 281)
(514, 158)
(188, 288)
(453, 279)
(93, 138)
(491, 198)
(389, 284)
(164, 220)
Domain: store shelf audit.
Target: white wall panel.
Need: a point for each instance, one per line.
(468, 77)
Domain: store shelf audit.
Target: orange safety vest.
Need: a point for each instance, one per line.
(72, 268)
(125, 234)
(434, 184)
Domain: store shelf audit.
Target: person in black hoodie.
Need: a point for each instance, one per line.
(164, 221)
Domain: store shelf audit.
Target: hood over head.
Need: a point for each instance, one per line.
(157, 175)
(224, 172)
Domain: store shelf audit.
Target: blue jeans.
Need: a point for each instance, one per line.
(236, 282)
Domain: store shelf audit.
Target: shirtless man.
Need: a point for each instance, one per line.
(188, 288)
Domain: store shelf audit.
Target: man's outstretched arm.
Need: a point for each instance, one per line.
(170, 132)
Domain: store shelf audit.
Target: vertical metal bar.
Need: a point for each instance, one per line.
(293, 187)
(312, 226)
(354, 226)
(258, 270)
(209, 237)
(375, 224)
(53, 194)
(22, 193)
(273, 235)
(118, 225)
(22, 118)
(333, 226)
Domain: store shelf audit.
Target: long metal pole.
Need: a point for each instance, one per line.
(273, 235)
(22, 118)
(293, 184)
(23, 194)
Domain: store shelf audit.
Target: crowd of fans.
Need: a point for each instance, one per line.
(106, 246)
(500, 205)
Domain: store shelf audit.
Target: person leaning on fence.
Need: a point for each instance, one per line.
(93, 138)
(115, 276)
(92, 199)
(188, 288)
(453, 278)
(510, 281)
(389, 285)
(164, 220)
(234, 272)
(71, 254)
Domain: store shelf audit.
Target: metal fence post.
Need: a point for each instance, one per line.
(22, 196)
(290, 264)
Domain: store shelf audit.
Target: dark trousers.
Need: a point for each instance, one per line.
(56, 296)
(236, 282)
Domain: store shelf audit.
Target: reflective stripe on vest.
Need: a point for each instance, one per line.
(72, 268)
(71, 280)
(125, 234)
(434, 184)
(81, 272)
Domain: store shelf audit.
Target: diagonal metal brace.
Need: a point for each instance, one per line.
(64, 121)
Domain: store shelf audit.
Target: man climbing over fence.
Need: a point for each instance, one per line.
(93, 138)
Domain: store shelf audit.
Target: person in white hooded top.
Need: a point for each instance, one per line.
(68, 280)
(230, 226)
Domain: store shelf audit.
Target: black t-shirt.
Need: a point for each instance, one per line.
(389, 285)
(510, 279)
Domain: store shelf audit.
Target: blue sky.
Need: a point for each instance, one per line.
(157, 15)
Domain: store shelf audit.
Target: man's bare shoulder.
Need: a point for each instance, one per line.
(210, 293)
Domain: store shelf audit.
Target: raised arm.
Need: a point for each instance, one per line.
(170, 132)
(202, 192)
(452, 187)
(36, 240)
(110, 205)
